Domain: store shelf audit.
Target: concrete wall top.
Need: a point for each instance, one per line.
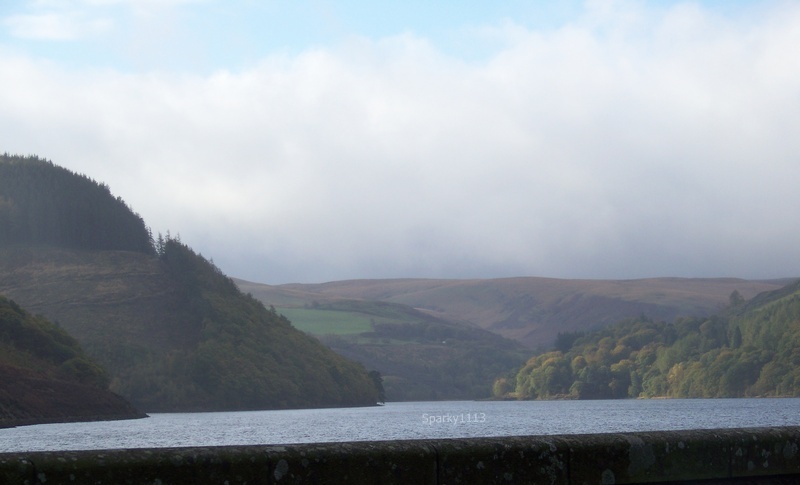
(755, 455)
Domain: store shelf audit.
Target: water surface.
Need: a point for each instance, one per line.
(409, 420)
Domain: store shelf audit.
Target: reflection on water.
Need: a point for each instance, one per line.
(411, 420)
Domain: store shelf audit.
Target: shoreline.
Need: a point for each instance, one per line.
(15, 423)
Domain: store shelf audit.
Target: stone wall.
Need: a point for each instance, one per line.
(742, 456)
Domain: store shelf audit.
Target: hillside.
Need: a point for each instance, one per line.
(42, 203)
(388, 324)
(421, 357)
(530, 310)
(173, 332)
(749, 350)
(46, 377)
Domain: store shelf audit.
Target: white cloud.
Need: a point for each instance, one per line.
(60, 20)
(141, 7)
(56, 26)
(657, 144)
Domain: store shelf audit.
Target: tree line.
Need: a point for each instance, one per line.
(42, 203)
(233, 353)
(752, 349)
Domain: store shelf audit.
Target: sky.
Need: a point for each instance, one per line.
(315, 140)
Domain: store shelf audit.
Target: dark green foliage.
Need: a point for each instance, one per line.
(753, 349)
(735, 299)
(237, 353)
(41, 203)
(34, 342)
(377, 380)
(564, 340)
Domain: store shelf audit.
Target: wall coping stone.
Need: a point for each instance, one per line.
(743, 455)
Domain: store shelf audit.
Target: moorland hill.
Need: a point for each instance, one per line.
(530, 310)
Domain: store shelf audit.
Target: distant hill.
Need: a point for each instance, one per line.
(750, 349)
(46, 377)
(390, 325)
(532, 311)
(172, 331)
(421, 357)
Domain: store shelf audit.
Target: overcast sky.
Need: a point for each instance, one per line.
(311, 141)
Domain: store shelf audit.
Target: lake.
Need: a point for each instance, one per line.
(407, 420)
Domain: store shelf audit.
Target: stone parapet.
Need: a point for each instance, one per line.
(738, 456)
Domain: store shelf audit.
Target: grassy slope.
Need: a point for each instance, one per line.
(327, 322)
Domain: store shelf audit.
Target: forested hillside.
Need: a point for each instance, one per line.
(752, 349)
(42, 203)
(173, 332)
(46, 376)
(235, 353)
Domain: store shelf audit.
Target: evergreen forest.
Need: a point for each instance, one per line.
(42, 203)
(234, 353)
(752, 349)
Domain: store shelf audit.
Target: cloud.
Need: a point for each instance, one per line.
(631, 142)
(56, 26)
(69, 20)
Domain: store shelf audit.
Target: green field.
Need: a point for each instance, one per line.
(327, 322)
